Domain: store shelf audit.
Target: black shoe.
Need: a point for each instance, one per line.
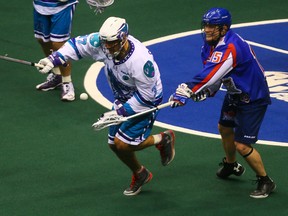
(228, 169)
(138, 181)
(264, 188)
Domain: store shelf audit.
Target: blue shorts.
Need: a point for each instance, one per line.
(246, 119)
(133, 131)
(56, 28)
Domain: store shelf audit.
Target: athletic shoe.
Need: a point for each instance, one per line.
(52, 82)
(228, 169)
(166, 147)
(68, 93)
(264, 188)
(138, 180)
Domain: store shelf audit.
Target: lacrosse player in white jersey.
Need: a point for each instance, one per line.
(134, 78)
(52, 28)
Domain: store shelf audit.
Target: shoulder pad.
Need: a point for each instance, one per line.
(94, 40)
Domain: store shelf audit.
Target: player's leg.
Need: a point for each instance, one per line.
(60, 33)
(42, 25)
(226, 124)
(227, 137)
(246, 133)
(134, 135)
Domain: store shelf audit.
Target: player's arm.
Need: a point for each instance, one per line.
(74, 49)
(207, 82)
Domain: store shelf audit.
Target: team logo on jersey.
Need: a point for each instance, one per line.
(278, 85)
(149, 70)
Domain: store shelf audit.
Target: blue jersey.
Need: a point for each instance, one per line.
(234, 63)
(50, 7)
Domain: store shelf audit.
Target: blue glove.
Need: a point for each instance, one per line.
(119, 108)
(178, 100)
(181, 96)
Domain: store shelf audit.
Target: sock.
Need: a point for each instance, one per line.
(56, 71)
(157, 138)
(66, 79)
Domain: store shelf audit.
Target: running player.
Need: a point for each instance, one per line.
(228, 59)
(134, 78)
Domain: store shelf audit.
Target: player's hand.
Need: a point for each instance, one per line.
(120, 109)
(181, 96)
(47, 65)
(178, 100)
(202, 95)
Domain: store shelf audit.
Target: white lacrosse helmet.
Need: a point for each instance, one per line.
(99, 5)
(114, 29)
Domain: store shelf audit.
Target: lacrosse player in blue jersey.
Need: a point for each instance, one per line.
(134, 78)
(229, 60)
(52, 28)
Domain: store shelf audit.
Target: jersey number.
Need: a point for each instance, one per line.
(216, 57)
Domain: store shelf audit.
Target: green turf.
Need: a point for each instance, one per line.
(53, 163)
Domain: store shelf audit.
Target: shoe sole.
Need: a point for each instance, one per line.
(139, 189)
(67, 100)
(172, 134)
(48, 89)
(265, 195)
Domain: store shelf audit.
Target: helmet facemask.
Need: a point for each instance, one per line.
(112, 49)
(216, 34)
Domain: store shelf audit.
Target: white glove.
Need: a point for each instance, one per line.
(47, 65)
(184, 90)
(181, 96)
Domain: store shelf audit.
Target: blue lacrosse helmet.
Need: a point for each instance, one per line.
(217, 16)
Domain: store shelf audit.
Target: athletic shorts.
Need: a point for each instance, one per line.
(133, 131)
(56, 28)
(246, 119)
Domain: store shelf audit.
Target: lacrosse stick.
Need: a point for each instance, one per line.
(111, 118)
(99, 5)
(21, 61)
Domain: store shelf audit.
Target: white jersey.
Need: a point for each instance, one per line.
(50, 7)
(134, 80)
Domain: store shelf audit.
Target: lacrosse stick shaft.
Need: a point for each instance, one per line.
(150, 110)
(21, 61)
(100, 124)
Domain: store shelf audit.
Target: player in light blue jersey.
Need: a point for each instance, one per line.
(135, 81)
(52, 28)
(229, 60)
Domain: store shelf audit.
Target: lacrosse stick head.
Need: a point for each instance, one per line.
(99, 5)
(108, 119)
